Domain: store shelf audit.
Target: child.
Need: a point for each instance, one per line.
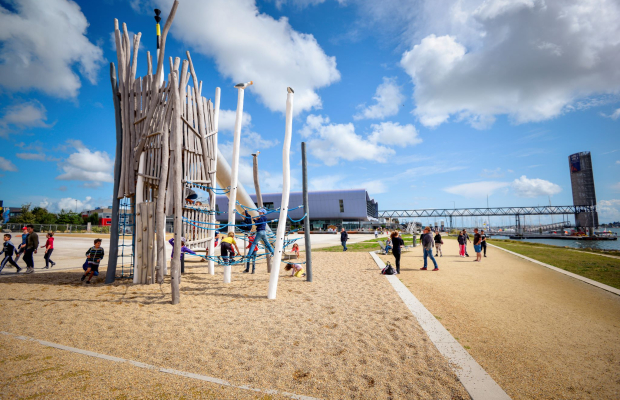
(8, 249)
(94, 256)
(22, 247)
(49, 248)
(295, 249)
(297, 270)
(247, 264)
(183, 250)
(227, 246)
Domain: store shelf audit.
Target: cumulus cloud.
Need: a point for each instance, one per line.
(327, 182)
(388, 99)
(332, 142)
(524, 187)
(31, 156)
(31, 114)
(476, 189)
(609, 209)
(529, 59)
(392, 133)
(42, 43)
(227, 119)
(87, 166)
(249, 45)
(7, 165)
(339, 181)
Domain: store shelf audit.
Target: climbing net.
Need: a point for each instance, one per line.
(243, 231)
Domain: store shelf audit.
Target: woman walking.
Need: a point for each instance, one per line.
(438, 243)
(461, 239)
(397, 243)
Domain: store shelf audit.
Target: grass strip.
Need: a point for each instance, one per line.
(590, 265)
(365, 246)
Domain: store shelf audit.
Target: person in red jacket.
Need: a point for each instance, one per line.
(49, 249)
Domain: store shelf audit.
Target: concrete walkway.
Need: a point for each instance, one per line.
(538, 333)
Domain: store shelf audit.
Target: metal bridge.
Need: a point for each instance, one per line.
(517, 212)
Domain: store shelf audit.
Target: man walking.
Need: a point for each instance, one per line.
(344, 236)
(261, 234)
(477, 245)
(484, 242)
(32, 243)
(427, 244)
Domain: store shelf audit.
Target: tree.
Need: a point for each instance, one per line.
(94, 219)
(42, 216)
(70, 218)
(26, 217)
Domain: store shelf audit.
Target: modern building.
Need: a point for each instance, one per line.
(104, 213)
(351, 208)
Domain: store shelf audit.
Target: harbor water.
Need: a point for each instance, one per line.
(578, 244)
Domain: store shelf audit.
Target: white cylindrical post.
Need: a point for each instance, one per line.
(232, 199)
(216, 120)
(286, 189)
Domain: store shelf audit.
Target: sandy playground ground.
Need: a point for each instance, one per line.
(538, 333)
(347, 335)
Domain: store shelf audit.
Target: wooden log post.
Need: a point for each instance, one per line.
(113, 257)
(212, 195)
(160, 217)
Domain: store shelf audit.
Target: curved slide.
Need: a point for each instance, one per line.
(224, 177)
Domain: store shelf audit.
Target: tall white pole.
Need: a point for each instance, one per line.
(216, 121)
(232, 199)
(286, 190)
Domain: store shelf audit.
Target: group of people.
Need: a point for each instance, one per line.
(480, 243)
(28, 248)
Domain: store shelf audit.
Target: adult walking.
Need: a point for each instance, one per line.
(467, 239)
(438, 243)
(427, 245)
(344, 236)
(477, 245)
(261, 234)
(398, 244)
(461, 240)
(32, 244)
(376, 233)
(484, 242)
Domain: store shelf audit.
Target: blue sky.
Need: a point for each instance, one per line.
(427, 104)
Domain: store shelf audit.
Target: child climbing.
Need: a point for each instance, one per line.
(183, 251)
(227, 246)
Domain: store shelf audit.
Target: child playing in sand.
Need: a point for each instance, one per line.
(94, 256)
(295, 249)
(49, 249)
(296, 270)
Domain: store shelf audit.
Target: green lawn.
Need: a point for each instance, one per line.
(587, 264)
(367, 245)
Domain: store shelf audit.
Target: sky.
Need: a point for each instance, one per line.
(424, 103)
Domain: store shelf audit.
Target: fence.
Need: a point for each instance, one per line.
(57, 228)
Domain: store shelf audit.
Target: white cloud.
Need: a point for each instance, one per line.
(42, 42)
(476, 189)
(31, 156)
(328, 182)
(614, 115)
(374, 187)
(31, 114)
(249, 45)
(332, 142)
(70, 204)
(388, 99)
(112, 38)
(338, 181)
(609, 209)
(85, 165)
(617, 161)
(616, 186)
(524, 187)
(7, 165)
(227, 119)
(529, 59)
(392, 133)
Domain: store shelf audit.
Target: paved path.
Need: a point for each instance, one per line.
(538, 333)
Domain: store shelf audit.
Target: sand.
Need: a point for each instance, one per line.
(538, 333)
(347, 335)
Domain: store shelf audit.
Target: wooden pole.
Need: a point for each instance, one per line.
(113, 257)
(286, 189)
(175, 265)
(212, 198)
(259, 197)
(160, 217)
(308, 250)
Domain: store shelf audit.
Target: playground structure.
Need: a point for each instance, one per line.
(167, 135)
